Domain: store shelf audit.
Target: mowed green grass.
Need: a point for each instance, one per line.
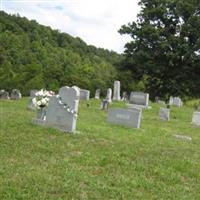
(102, 161)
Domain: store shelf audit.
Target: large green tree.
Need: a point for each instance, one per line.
(165, 47)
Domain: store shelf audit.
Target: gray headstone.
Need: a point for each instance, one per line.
(4, 94)
(84, 94)
(97, 94)
(164, 114)
(15, 94)
(139, 98)
(104, 104)
(109, 95)
(116, 93)
(124, 96)
(129, 118)
(176, 101)
(196, 118)
(58, 114)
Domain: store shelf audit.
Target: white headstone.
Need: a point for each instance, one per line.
(97, 94)
(164, 114)
(130, 118)
(196, 118)
(116, 93)
(109, 95)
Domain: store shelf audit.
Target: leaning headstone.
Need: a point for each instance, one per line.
(104, 104)
(139, 98)
(15, 94)
(116, 93)
(129, 118)
(84, 94)
(4, 94)
(97, 94)
(109, 95)
(63, 108)
(164, 114)
(196, 118)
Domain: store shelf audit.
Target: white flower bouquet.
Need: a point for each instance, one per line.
(41, 98)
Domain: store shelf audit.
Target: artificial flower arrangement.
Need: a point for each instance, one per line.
(41, 98)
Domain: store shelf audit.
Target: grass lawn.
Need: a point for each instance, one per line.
(103, 161)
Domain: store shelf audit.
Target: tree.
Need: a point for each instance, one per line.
(165, 47)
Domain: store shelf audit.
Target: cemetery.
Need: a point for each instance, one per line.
(99, 100)
(90, 141)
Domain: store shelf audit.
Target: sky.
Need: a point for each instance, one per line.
(95, 21)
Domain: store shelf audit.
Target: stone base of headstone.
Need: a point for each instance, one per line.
(39, 122)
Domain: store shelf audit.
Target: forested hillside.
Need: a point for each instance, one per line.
(35, 56)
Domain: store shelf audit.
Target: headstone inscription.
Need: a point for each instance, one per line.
(129, 118)
(84, 94)
(164, 114)
(196, 118)
(139, 98)
(4, 94)
(97, 94)
(62, 110)
(109, 95)
(116, 93)
(15, 94)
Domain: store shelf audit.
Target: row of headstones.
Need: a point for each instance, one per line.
(15, 94)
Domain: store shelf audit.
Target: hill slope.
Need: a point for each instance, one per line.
(35, 56)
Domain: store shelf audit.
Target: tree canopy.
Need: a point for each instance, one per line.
(164, 52)
(33, 56)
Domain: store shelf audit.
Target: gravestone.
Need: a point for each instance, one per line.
(104, 104)
(4, 94)
(124, 96)
(15, 94)
(139, 98)
(63, 108)
(176, 101)
(97, 94)
(196, 118)
(116, 93)
(129, 118)
(31, 105)
(161, 102)
(84, 94)
(164, 114)
(109, 95)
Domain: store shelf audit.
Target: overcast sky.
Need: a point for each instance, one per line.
(95, 21)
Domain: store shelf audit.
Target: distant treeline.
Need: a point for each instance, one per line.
(33, 56)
